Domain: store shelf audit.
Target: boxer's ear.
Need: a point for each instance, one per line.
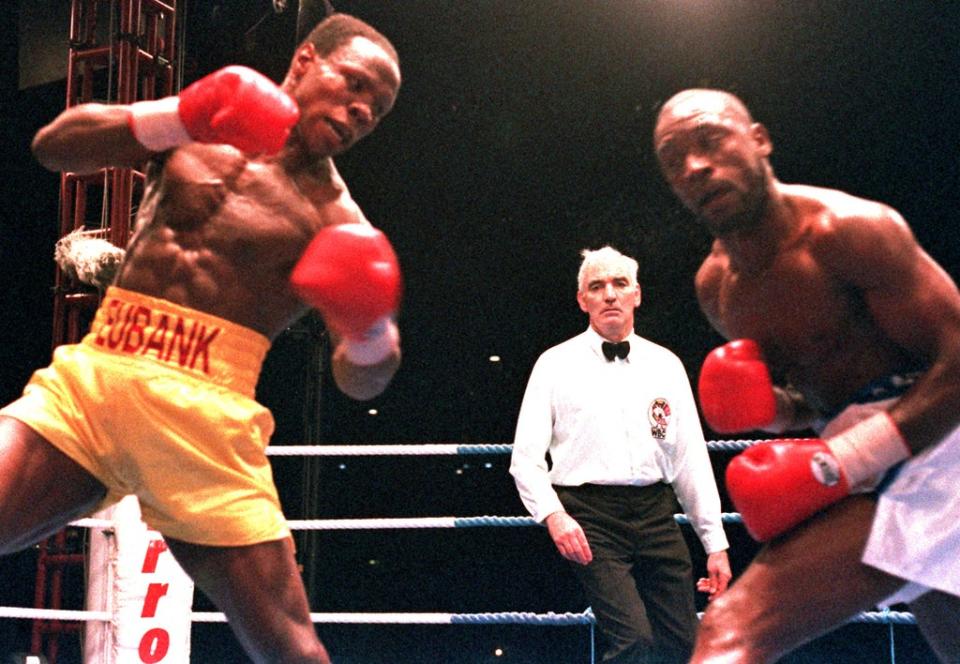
(302, 59)
(761, 138)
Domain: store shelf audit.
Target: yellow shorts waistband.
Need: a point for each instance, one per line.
(203, 346)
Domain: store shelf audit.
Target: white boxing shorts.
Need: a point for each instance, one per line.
(916, 533)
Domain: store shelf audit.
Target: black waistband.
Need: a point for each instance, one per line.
(886, 387)
(613, 490)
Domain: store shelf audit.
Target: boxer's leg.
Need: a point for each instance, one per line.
(798, 587)
(41, 488)
(260, 590)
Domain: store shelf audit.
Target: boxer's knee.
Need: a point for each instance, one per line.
(307, 651)
(728, 635)
(296, 647)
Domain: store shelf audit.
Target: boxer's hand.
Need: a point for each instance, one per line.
(350, 273)
(234, 105)
(736, 392)
(778, 484)
(568, 537)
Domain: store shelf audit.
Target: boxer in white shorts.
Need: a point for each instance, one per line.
(913, 536)
(820, 293)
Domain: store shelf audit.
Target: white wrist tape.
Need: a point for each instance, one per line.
(868, 448)
(156, 124)
(375, 345)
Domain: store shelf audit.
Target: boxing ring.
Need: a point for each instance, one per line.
(583, 618)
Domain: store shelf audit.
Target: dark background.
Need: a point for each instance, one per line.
(521, 135)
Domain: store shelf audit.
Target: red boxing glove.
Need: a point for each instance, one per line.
(234, 105)
(736, 392)
(350, 273)
(777, 484)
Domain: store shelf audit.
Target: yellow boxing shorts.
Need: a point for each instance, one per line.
(157, 400)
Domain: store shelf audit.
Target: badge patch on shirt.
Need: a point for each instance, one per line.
(659, 414)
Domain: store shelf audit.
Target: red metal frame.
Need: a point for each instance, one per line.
(139, 59)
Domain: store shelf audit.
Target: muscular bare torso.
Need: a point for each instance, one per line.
(220, 233)
(814, 326)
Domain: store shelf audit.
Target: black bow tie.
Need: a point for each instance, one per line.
(612, 350)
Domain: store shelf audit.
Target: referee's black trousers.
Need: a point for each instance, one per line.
(640, 582)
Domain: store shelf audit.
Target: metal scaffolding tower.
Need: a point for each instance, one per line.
(120, 51)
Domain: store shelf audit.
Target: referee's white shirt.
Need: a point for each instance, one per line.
(597, 420)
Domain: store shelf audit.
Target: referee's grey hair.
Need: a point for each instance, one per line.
(606, 256)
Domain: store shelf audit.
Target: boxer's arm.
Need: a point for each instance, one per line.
(915, 303)
(350, 274)
(737, 393)
(234, 105)
(777, 409)
(735, 388)
(88, 137)
(363, 381)
(778, 484)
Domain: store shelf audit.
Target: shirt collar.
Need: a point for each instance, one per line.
(595, 341)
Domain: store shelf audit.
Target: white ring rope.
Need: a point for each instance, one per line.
(403, 523)
(431, 449)
(53, 614)
(508, 617)
(500, 618)
(885, 617)
(444, 522)
(444, 449)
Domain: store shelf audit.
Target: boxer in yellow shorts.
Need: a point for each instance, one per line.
(244, 218)
(157, 401)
